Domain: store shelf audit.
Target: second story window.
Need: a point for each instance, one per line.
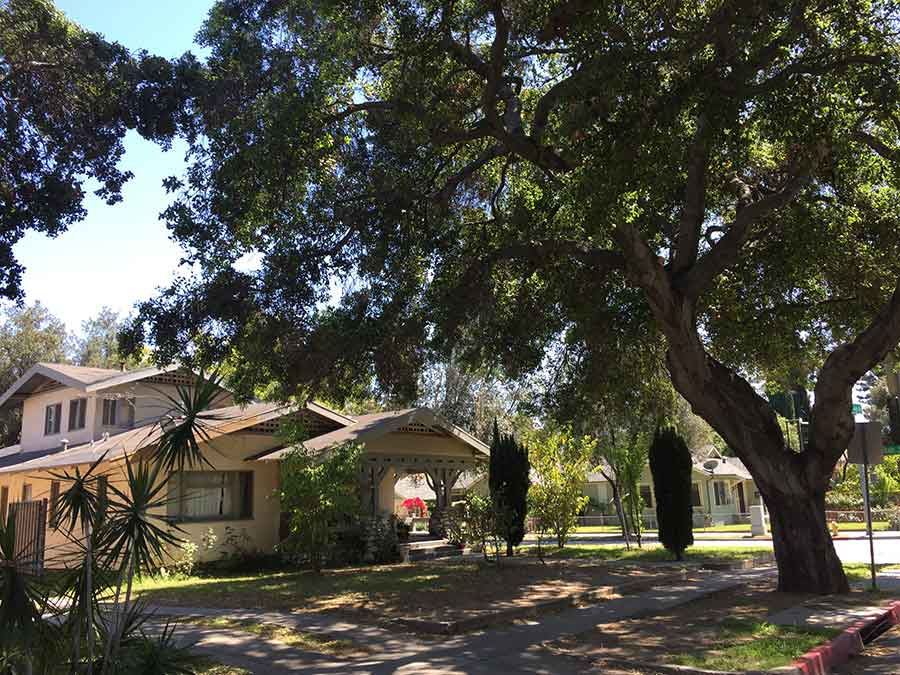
(52, 413)
(109, 412)
(77, 410)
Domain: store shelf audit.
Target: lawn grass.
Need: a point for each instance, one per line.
(210, 668)
(268, 631)
(297, 590)
(389, 587)
(755, 645)
(877, 526)
(649, 553)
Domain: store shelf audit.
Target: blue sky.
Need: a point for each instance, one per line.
(119, 254)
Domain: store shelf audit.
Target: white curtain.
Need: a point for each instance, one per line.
(210, 494)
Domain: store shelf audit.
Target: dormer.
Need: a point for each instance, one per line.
(68, 405)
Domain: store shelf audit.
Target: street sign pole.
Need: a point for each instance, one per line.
(869, 515)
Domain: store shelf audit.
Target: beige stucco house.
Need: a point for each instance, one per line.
(74, 416)
(722, 491)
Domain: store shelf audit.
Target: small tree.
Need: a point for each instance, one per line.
(560, 463)
(317, 493)
(509, 480)
(670, 464)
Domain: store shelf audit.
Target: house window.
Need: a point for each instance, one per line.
(54, 498)
(647, 496)
(695, 494)
(26, 492)
(52, 413)
(109, 412)
(77, 410)
(722, 493)
(212, 495)
(102, 498)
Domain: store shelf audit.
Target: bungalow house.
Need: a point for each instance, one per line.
(73, 416)
(722, 491)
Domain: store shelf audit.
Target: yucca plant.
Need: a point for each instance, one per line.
(186, 424)
(134, 538)
(27, 641)
(78, 508)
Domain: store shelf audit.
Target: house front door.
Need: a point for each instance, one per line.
(741, 502)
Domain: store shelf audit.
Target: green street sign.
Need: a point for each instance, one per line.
(892, 450)
(856, 409)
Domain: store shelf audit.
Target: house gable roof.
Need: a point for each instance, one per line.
(42, 376)
(369, 427)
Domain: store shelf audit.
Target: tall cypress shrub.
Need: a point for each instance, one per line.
(509, 479)
(671, 465)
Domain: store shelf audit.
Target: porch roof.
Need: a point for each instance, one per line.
(375, 425)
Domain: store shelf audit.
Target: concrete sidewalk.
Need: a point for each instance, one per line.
(511, 648)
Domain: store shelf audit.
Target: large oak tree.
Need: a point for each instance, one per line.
(67, 99)
(492, 177)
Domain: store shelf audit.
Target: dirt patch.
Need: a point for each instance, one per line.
(437, 590)
(481, 588)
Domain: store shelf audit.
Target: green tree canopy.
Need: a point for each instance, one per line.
(28, 334)
(500, 178)
(98, 344)
(67, 98)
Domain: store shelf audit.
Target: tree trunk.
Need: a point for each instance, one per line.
(509, 550)
(620, 511)
(807, 561)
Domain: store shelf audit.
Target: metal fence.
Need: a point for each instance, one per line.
(31, 528)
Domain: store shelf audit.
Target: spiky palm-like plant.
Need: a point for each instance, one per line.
(27, 641)
(78, 508)
(134, 538)
(186, 425)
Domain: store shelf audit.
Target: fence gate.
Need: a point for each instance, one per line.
(31, 527)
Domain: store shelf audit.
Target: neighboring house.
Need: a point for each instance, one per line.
(722, 491)
(73, 416)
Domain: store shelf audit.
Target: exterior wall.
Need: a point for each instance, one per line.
(33, 408)
(226, 454)
(149, 404)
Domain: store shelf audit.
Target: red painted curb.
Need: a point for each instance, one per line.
(820, 660)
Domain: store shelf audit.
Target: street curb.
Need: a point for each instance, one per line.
(821, 659)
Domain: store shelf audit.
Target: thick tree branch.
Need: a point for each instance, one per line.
(879, 147)
(727, 249)
(692, 214)
(831, 423)
(453, 182)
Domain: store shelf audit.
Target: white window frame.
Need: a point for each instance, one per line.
(109, 412)
(725, 498)
(52, 421)
(79, 419)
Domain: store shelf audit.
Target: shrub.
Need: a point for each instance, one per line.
(318, 495)
(186, 563)
(509, 480)
(671, 467)
(560, 462)
(455, 524)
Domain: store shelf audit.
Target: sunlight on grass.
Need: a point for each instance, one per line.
(209, 668)
(650, 553)
(308, 641)
(753, 645)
